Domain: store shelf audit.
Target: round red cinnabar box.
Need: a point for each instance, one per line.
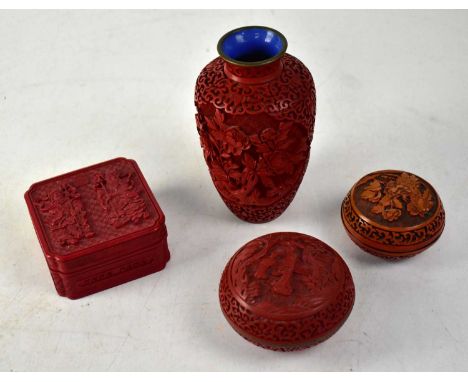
(393, 214)
(286, 291)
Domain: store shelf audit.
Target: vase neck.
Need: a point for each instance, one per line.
(253, 74)
(252, 54)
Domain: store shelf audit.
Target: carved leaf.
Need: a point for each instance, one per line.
(260, 147)
(374, 186)
(426, 202)
(235, 175)
(213, 128)
(385, 201)
(249, 180)
(412, 209)
(218, 173)
(397, 203)
(219, 118)
(369, 195)
(420, 205)
(249, 161)
(372, 192)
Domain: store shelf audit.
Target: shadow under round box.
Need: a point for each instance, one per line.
(98, 227)
(393, 214)
(286, 291)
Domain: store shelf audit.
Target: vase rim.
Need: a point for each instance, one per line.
(276, 51)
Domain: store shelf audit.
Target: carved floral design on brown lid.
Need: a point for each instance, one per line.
(394, 197)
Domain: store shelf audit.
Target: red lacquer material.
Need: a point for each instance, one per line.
(286, 291)
(256, 125)
(393, 214)
(98, 227)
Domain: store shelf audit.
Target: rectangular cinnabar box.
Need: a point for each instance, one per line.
(98, 227)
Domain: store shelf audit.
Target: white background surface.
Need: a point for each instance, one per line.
(77, 88)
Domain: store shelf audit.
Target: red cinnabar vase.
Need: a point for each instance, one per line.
(256, 114)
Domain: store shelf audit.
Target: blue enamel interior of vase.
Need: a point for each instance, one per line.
(252, 44)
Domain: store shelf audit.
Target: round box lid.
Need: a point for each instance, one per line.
(393, 214)
(286, 291)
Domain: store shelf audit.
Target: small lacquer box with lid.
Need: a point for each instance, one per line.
(98, 227)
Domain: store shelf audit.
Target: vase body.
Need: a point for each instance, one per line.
(256, 125)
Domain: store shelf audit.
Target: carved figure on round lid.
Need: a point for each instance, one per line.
(286, 291)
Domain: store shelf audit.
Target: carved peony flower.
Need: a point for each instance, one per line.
(216, 134)
(391, 214)
(411, 182)
(268, 136)
(234, 142)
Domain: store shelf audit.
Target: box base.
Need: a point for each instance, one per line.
(137, 265)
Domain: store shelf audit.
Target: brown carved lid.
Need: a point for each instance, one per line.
(286, 291)
(393, 214)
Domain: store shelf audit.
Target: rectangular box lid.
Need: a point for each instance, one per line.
(92, 209)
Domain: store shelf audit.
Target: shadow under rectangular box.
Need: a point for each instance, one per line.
(98, 227)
